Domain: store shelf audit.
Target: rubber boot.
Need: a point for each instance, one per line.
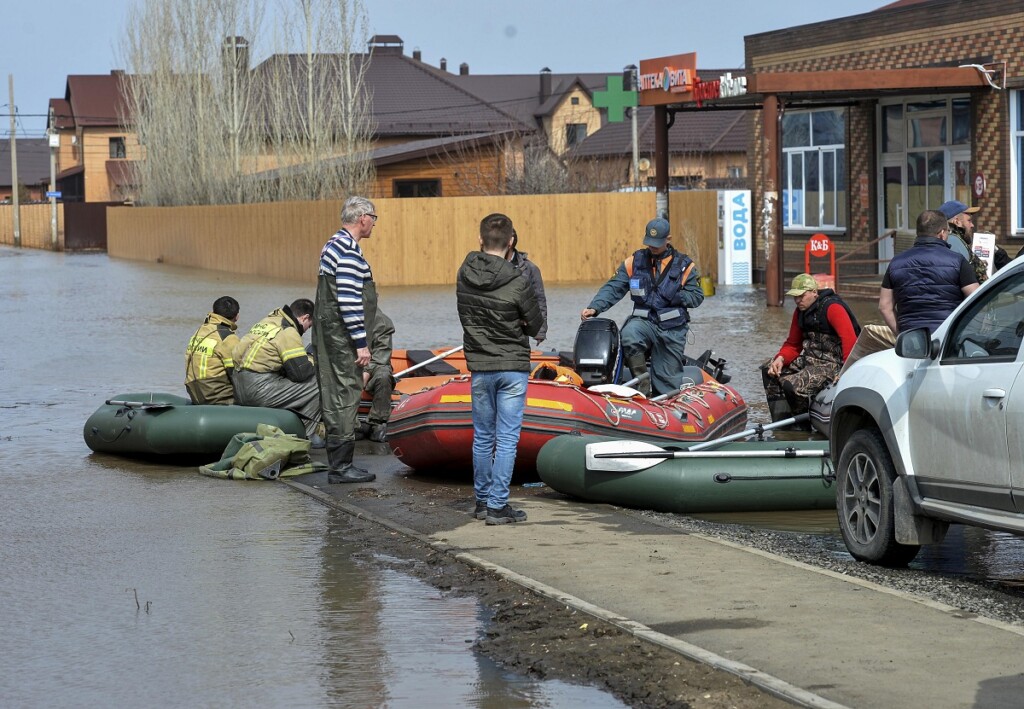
(637, 364)
(339, 460)
(797, 404)
(378, 432)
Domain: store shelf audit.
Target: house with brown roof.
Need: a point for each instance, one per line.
(33, 169)
(95, 147)
(706, 150)
(435, 133)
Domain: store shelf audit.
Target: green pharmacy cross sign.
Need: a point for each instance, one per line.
(615, 99)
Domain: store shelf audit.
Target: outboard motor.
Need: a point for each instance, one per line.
(597, 354)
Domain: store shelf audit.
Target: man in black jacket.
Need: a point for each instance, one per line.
(499, 313)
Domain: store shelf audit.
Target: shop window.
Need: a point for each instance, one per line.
(925, 157)
(575, 133)
(416, 188)
(814, 170)
(116, 148)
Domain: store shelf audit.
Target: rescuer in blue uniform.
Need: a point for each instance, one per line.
(663, 284)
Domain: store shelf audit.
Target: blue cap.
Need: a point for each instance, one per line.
(656, 232)
(951, 208)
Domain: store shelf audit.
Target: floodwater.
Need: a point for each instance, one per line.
(132, 583)
(136, 584)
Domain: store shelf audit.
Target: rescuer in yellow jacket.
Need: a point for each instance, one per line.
(209, 363)
(272, 367)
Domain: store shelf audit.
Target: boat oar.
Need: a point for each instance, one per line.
(634, 456)
(424, 363)
(758, 429)
(145, 405)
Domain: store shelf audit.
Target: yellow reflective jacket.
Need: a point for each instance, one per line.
(209, 361)
(274, 344)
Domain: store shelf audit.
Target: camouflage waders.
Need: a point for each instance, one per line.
(819, 363)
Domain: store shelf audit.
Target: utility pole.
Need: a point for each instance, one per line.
(631, 70)
(14, 165)
(54, 144)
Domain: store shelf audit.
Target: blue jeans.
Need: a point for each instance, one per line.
(498, 402)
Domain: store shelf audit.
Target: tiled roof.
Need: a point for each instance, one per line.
(96, 99)
(121, 172)
(407, 98)
(62, 113)
(33, 161)
(519, 94)
(692, 132)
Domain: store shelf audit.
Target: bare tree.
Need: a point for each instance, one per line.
(316, 103)
(210, 127)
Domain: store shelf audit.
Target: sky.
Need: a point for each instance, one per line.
(42, 44)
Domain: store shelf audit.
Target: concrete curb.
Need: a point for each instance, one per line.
(769, 683)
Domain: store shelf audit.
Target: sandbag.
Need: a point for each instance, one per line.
(268, 454)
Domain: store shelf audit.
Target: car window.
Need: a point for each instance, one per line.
(992, 328)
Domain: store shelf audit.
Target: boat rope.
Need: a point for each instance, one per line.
(126, 411)
(826, 475)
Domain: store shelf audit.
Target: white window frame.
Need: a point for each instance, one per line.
(821, 150)
(1016, 165)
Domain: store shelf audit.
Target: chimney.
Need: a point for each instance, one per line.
(463, 69)
(417, 54)
(386, 44)
(444, 64)
(545, 84)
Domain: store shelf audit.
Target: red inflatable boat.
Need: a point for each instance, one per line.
(433, 429)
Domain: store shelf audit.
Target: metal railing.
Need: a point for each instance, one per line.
(846, 259)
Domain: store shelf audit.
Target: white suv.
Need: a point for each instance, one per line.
(933, 431)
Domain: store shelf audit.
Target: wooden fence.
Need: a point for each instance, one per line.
(34, 226)
(572, 237)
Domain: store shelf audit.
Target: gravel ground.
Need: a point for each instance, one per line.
(987, 598)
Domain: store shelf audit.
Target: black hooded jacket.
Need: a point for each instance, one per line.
(499, 313)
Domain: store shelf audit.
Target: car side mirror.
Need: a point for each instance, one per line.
(916, 344)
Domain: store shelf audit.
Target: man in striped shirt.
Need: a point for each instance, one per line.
(346, 307)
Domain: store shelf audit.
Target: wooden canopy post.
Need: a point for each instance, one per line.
(661, 161)
(771, 216)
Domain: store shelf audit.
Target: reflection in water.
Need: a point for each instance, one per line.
(248, 594)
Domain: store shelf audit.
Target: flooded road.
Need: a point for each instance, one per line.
(131, 583)
(128, 583)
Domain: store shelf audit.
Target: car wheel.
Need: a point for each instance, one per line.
(864, 501)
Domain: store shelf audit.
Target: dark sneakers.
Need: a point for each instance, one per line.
(480, 511)
(506, 515)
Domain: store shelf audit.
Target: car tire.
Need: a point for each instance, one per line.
(864, 502)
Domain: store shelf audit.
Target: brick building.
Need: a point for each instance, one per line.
(857, 162)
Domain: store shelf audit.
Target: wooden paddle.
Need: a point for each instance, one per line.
(424, 363)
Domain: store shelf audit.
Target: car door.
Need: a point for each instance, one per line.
(962, 401)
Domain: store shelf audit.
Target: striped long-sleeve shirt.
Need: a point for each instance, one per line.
(343, 259)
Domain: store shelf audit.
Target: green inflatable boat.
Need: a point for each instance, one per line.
(172, 426)
(741, 476)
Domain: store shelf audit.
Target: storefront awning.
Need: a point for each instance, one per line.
(845, 82)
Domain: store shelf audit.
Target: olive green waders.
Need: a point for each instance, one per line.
(340, 378)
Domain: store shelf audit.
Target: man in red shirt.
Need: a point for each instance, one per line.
(821, 336)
